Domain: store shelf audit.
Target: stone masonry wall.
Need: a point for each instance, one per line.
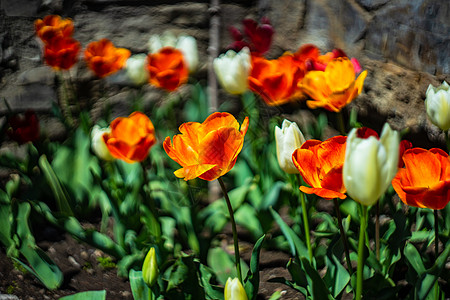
(404, 44)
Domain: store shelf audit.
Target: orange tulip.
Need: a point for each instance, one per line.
(104, 59)
(275, 80)
(130, 138)
(167, 68)
(62, 53)
(320, 164)
(53, 26)
(333, 88)
(425, 180)
(207, 150)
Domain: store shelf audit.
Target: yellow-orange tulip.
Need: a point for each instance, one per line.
(53, 26)
(333, 88)
(130, 138)
(425, 180)
(167, 68)
(104, 59)
(275, 80)
(207, 150)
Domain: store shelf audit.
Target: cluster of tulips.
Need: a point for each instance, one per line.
(361, 165)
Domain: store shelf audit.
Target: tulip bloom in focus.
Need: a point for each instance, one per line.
(320, 164)
(232, 70)
(207, 150)
(275, 80)
(257, 38)
(24, 128)
(234, 290)
(104, 59)
(370, 164)
(98, 143)
(425, 180)
(62, 53)
(288, 139)
(131, 138)
(167, 68)
(333, 88)
(53, 26)
(437, 104)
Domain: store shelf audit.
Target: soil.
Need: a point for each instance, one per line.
(83, 272)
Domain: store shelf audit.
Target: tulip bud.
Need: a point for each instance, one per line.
(370, 164)
(136, 69)
(98, 143)
(234, 290)
(287, 139)
(232, 70)
(188, 45)
(437, 104)
(150, 270)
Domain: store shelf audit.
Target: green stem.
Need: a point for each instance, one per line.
(343, 236)
(436, 247)
(233, 227)
(341, 124)
(377, 230)
(447, 141)
(65, 104)
(305, 220)
(359, 271)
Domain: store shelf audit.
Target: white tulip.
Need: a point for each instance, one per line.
(232, 70)
(370, 165)
(136, 69)
(157, 42)
(288, 138)
(98, 144)
(188, 45)
(234, 290)
(185, 43)
(437, 104)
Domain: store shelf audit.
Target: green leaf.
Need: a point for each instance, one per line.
(246, 217)
(316, 285)
(296, 245)
(271, 197)
(223, 264)
(41, 265)
(252, 280)
(212, 291)
(337, 277)
(90, 295)
(139, 288)
(298, 276)
(61, 196)
(432, 274)
(6, 219)
(414, 258)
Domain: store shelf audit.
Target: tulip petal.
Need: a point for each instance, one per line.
(191, 172)
(424, 169)
(323, 193)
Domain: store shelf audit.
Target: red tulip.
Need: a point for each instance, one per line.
(24, 128)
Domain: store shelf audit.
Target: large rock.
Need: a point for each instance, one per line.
(415, 34)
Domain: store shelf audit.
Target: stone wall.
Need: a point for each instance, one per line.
(404, 44)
